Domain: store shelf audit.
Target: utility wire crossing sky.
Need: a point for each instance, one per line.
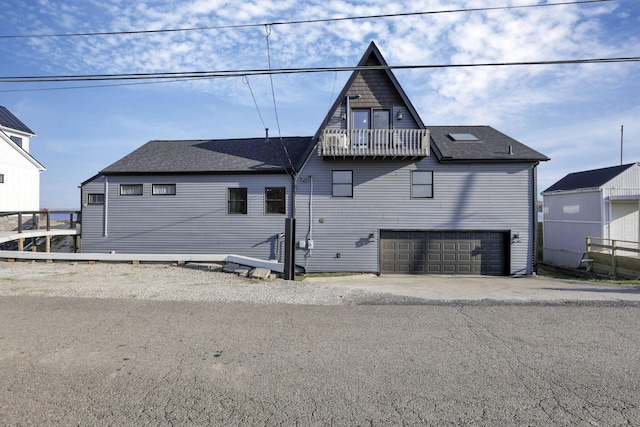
(560, 77)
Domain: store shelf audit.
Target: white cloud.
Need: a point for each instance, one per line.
(562, 110)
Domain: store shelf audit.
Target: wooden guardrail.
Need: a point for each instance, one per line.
(30, 225)
(617, 258)
(37, 217)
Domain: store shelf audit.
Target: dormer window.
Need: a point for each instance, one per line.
(17, 140)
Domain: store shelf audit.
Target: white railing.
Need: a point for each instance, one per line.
(375, 142)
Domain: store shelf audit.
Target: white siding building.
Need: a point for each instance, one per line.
(595, 203)
(19, 171)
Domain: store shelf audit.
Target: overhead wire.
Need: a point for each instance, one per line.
(275, 107)
(297, 22)
(245, 80)
(180, 76)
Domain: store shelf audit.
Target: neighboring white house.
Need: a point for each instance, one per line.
(19, 171)
(595, 203)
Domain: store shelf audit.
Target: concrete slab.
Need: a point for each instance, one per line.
(242, 271)
(485, 288)
(260, 273)
(230, 268)
(204, 266)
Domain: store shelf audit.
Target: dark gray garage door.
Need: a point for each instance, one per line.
(443, 252)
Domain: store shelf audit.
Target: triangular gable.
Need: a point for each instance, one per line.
(372, 57)
(29, 157)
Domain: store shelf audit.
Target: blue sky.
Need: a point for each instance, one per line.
(571, 113)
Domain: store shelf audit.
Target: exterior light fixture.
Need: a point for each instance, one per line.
(399, 116)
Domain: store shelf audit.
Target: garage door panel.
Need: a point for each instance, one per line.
(464, 257)
(466, 246)
(443, 252)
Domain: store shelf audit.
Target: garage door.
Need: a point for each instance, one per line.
(443, 252)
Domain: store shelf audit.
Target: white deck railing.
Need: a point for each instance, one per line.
(375, 142)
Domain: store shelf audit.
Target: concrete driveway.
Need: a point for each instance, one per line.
(440, 288)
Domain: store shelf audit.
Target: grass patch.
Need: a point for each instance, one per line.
(583, 276)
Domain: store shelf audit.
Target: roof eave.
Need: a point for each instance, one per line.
(175, 173)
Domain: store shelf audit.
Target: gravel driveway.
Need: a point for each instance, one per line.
(159, 282)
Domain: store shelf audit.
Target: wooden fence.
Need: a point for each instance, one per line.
(616, 258)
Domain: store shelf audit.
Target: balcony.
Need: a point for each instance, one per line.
(374, 143)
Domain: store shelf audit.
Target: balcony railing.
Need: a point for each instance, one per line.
(374, 143)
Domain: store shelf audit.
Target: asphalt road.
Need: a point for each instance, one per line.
(72, 361)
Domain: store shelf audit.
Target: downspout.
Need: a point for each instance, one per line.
(534, 194)
(310, 237)
(106, 206)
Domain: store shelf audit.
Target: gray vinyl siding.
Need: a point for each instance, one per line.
(92, 215)
(490, 197)
(194, 220)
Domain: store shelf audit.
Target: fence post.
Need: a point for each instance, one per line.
(614, 263)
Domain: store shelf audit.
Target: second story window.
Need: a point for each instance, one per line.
(131, 189)
(274, 200)
(95, 199)
(422, 184)
(237, 201)
(342, 184)
(17, 140)
(163, 189)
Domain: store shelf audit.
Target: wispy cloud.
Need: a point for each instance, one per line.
(505, 97)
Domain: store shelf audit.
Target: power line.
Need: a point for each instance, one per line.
(297, 22)
(275, 71)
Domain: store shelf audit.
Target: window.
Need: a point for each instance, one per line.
(463, 137)
(274, 200)
(1, 178)
(163, 189)
(342, 184)
(237, 201)
(17, 140)
(131, 189)
(422, 184)
(95, 199)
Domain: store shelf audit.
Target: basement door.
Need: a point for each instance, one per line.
(444, 252)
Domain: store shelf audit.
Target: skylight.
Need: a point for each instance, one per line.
(463, 137)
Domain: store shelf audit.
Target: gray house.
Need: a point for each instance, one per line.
(374, 190)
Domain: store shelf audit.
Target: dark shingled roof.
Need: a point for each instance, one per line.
(491, 146)
(213, 156)
(594, 178)
(7, 119)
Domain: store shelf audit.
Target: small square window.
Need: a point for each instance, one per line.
(422, 184)
(342, 184)
(131, 189)
(274, 200)
(163, 189)
(95, 199)
(237, 201)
